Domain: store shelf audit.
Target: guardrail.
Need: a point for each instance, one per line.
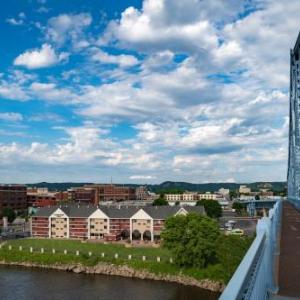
(255, 277)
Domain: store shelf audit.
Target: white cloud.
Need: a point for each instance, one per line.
(50, 91)
(67, 27)
(122, 60)
(208, 101)
(11, 116)
(142, 177)
(17, 21)
(40, 58)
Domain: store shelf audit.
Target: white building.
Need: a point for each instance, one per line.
(207, 196)
(224, 192)
(244, 189)
(189, 196)
(173, 197)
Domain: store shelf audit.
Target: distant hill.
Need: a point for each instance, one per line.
(171, 185)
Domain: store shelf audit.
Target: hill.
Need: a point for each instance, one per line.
(178, 186)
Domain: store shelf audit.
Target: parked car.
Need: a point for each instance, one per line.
(236, 231)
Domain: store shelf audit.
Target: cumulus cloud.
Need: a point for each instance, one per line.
(11, 116)
(207, 102)
(67, 27)
(122, 60)
(40, 58)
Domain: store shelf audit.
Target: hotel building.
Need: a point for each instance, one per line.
(106, 223)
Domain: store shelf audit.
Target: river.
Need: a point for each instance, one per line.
(17, 283)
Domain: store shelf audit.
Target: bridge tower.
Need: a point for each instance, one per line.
(293, 176)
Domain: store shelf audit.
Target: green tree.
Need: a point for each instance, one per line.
(233, 194)
(160, 202)
(239, 207)
(9, 213)
(191, 239)
(230, 251)
(213, 208)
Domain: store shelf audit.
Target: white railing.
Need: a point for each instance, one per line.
(255, 277)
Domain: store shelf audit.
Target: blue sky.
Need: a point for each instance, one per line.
(145, 91)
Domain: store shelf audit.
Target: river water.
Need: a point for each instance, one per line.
(18, 283)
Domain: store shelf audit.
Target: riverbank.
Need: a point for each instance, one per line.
(124, 271)
(74, 256)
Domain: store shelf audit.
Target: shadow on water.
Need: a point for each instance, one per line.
(34, 284)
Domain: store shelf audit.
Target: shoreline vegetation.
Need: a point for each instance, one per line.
(108, 259)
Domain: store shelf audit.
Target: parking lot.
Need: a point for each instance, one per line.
(247, 224)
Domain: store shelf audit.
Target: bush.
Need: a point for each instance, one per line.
(230, 251)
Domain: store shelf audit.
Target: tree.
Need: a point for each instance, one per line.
(160, 202)
(230, 251)
(177, 203)
(239, 207)
(191, 239)
(213, 208)
(233, 194)
(9, 213)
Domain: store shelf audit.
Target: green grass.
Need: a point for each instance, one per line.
(59, 258)
(96, 248)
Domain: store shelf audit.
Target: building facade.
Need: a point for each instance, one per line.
(13, 196)
(293, 176)
(105, 223)
(83, 195)
(41, 199)
(110, 192)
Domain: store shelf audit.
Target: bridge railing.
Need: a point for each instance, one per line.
(255, 276)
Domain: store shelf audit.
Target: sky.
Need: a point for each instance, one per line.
(145, 91)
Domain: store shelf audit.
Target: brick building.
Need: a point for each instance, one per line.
(13, 196)
(83, 195)
(106, 223)
(41, 200)
(110, 192)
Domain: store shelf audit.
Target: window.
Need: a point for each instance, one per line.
(105, 227)
(92, 226)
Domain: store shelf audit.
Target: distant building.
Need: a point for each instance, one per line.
(173, 197)
(41, 199)
(142, 193)
(110, 192)
(83, 195)
(244, 189)
(207, 196)
(189, 196)
(224, 192)
(13, 196)
(105, 223)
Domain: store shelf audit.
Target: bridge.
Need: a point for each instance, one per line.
(271, 266)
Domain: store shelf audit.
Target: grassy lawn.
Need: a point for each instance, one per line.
(151, 265)
(95, 248)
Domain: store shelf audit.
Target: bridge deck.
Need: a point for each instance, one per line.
(289, 261)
